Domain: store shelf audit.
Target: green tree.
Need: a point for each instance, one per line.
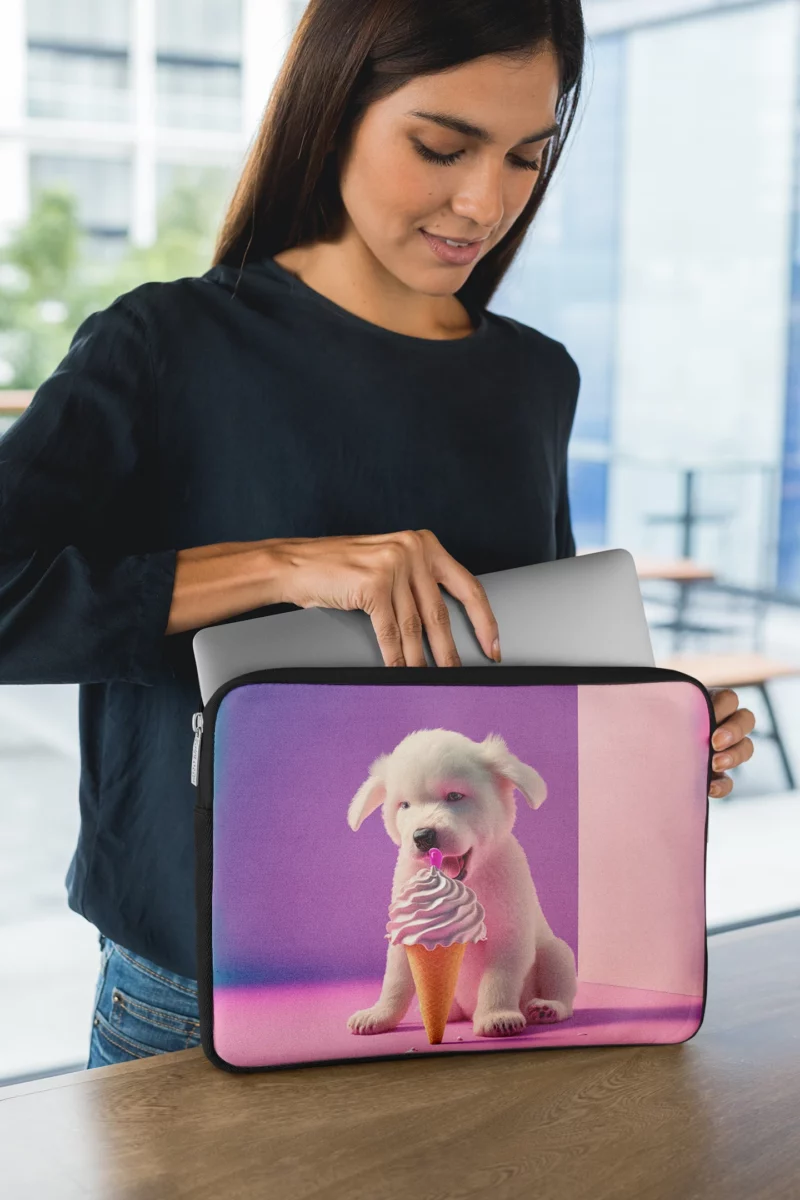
(40, 290)
(50, 280)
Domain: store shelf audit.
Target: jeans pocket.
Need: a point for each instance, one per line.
(148, 1028)
(143, 1009)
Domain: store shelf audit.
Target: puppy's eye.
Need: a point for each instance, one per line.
(404, 804)
(454, 796)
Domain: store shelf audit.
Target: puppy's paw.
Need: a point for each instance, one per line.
(372, 1020)
(504, 1023)
(546, 1012)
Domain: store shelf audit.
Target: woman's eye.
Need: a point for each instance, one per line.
(454, 796)
(447, 160)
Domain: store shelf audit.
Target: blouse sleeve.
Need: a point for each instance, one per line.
(565, 540)
(82, 597)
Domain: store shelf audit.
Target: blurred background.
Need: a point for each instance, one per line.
(666, 258)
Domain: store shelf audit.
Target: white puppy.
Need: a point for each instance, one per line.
(440, 788)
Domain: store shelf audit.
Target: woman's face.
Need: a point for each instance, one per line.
(392, 189)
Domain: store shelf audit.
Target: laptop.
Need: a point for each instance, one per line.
(581, 611)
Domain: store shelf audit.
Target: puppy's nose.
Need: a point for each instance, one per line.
(425, 839)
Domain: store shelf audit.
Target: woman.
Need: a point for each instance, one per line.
(328, 417)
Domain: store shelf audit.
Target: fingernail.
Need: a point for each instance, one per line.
(722, 738)
(496, 650)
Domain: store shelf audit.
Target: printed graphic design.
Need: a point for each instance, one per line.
(438, 789)
(403, 869)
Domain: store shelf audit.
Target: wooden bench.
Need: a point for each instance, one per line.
(740, 671)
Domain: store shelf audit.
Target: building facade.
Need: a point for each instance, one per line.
(119, 99)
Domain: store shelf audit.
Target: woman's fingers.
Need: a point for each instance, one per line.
(436, 617)
(419, 601)
(409, 622)
(387, 630)
(462, 584)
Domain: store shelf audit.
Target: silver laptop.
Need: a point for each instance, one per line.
(581, 611)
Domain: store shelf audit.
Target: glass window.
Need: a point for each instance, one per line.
(198, 70)
(102, 187)
(80, 22)
(198, 95)
(78, 87)
(199, 28)
(78, 66)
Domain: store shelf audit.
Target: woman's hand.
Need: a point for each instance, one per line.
(394, 578)
(729, 738)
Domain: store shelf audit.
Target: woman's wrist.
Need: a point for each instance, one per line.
(222, 580)
(273, 567)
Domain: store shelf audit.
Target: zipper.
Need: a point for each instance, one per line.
(197, 726)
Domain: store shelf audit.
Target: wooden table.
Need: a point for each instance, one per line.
(713, 1119)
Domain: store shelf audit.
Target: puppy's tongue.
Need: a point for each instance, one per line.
(452, 864)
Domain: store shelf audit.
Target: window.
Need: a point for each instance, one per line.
(198, 95)
(78, 64)
(91, 22)
(198, 67)
(102, 187)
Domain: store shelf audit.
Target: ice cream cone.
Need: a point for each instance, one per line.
(435, 976)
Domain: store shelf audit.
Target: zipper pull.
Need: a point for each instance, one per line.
(197, 726)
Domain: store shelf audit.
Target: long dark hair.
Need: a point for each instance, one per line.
(347, 54)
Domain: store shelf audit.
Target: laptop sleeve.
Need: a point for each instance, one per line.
(412, 861)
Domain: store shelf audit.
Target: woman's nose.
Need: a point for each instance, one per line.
(481, 200)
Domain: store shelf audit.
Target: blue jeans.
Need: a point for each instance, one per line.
(140, 1009)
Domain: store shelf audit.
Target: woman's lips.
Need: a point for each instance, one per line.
(456, 255)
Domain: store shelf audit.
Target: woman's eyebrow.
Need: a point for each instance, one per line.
(469, 130)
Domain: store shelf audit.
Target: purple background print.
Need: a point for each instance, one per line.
(297, 895)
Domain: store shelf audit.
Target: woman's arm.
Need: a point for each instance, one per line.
(78, 477)
(219, 581)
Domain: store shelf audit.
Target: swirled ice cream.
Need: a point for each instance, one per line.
(432, 909)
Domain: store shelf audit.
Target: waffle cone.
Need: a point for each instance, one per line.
(435, 976)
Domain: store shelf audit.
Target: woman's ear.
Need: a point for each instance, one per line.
(525, 779)
(370, 795)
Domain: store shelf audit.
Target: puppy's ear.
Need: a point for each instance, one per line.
(528, 781)
(370, 795)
